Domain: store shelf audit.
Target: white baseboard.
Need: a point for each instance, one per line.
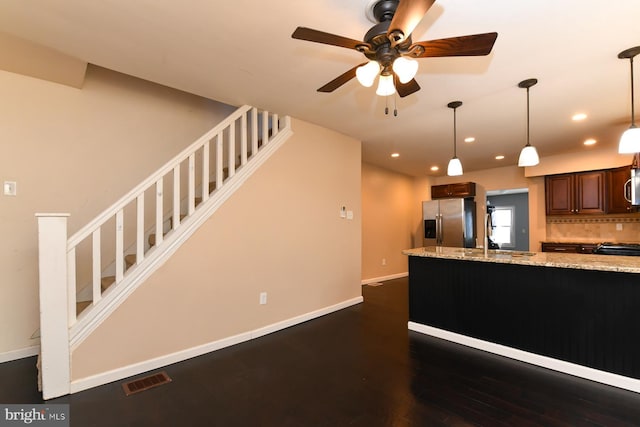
(384, 278)
(585, 372)
(159, 362)
(19, 354)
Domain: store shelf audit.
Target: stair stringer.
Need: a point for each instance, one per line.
(157, 256)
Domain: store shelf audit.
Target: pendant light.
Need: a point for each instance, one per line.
(529, 154)
(455, 166)
(630, 140)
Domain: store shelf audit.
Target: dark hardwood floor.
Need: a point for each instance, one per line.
(357, 367)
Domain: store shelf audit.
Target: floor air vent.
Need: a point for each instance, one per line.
(142, 384)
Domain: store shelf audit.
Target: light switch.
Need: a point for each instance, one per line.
(10, 188)
(349, 214)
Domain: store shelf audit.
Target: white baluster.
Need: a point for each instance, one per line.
(265, 127)
(232, 150)
(140, 227)
(71, 286)
(254, 131)
(159, 217)
(96, 254)
(175, 219)
(219, 164)
(119, 246)
(243, 139)
(192, 184)
(205, 172)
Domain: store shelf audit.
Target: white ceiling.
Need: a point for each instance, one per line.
(241, 52)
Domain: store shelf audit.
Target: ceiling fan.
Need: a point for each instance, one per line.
(390, 50)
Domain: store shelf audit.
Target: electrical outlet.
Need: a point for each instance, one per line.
(384, 261)
(263, 298)
(618, 227)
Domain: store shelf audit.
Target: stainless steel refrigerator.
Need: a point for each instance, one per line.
(450, 222)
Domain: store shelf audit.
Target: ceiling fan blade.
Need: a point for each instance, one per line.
(474, 45)
(340, 80)
(308, 34)
(407, 16)
(407, 88)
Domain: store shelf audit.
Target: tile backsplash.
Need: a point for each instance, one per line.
(593, 229)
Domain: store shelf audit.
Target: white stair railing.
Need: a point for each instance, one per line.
(241, 138)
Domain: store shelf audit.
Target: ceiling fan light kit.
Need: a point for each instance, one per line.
(386, 86)
(406, 69)
(529, 154)
(366, 74)
(455, 165)
(630, 140)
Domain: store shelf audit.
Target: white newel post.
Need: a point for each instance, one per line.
(54, 328)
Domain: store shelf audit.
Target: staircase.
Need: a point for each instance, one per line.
(113, 254)
(130, 260)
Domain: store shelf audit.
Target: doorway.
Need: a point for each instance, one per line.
(511, 218)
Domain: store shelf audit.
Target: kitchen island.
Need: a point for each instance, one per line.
(574, 313)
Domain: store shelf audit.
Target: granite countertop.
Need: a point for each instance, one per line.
(623, 264)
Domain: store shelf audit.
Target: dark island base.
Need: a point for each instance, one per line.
(584, 317)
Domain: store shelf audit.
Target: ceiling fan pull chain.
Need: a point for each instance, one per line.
(386, 105)
(395, 105)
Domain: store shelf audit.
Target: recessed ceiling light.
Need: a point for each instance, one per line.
(578, 117)
(469, 139)
(500, 157)
(435, 168)
(395, 155)
(589, 141)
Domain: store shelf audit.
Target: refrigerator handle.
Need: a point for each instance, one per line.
(439, 230)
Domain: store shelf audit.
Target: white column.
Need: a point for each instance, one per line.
(54, 328)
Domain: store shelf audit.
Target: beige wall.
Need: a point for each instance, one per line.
(387, 199)
(78, 151)
(281, 233)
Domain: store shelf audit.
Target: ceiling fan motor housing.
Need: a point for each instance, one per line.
(384, 10)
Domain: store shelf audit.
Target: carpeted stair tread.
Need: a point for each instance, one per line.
(107, 281)
(81, 305)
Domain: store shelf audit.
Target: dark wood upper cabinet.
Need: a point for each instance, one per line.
(590, 195)
(559, 194)
(616, 190)
(575, 193)
(448, 191)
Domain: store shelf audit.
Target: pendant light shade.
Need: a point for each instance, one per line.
(366, 74)
(386, 86)
(455, 166)
(529, 154)
(630, 140)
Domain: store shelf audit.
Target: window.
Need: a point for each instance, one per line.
(503, 226)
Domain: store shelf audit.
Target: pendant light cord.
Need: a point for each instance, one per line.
(454, 133)
(633, 110)
(528, 143)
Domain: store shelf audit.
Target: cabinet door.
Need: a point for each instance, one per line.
(463, 189)
(440, 191)
(571, 248)
(616, 179)
(589, 192)
(559, 194)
